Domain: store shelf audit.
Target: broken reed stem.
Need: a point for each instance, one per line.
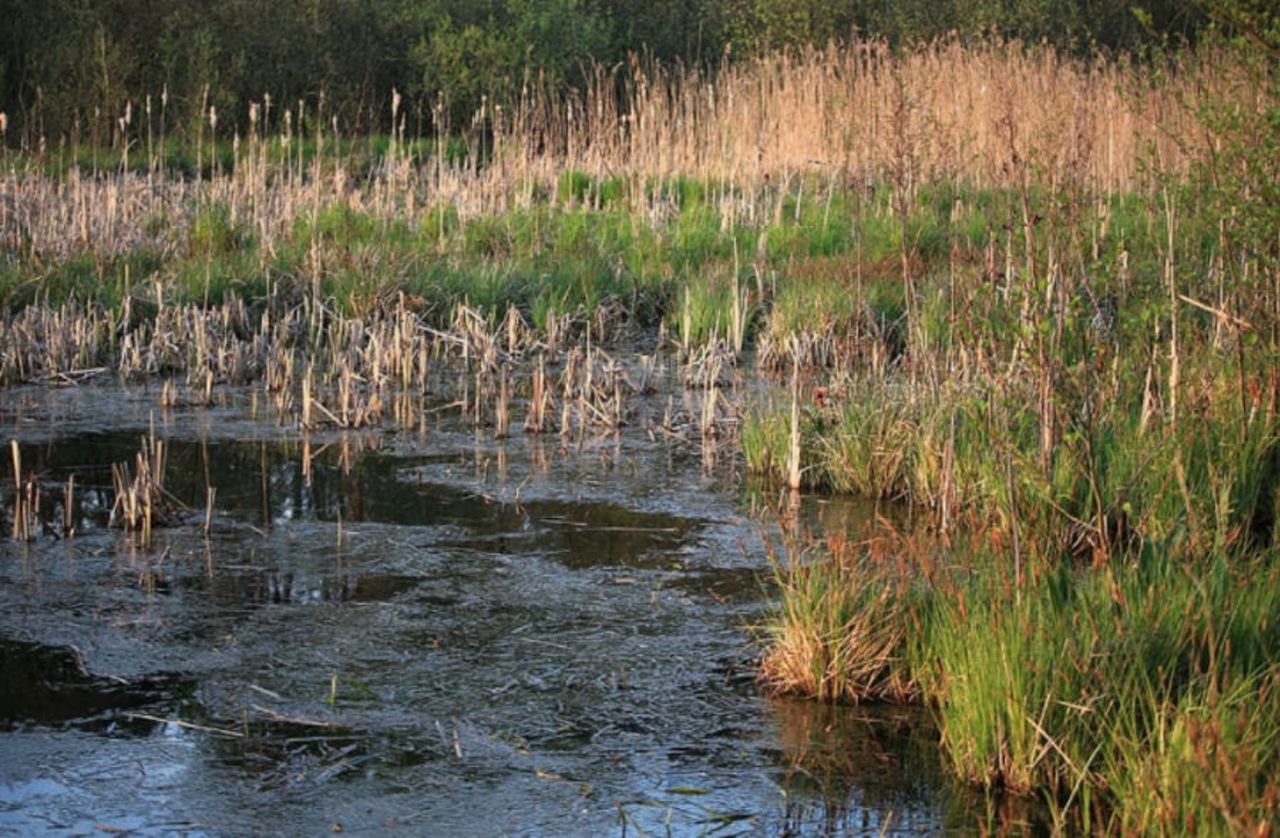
(68, 504)
(140, 498)
(210, 494)
(793, 448)
(710, 400)
(535, 423)
(18, 517)
(306, 458)
(307, 388)
(502, 421)
(21, 530)
(26, 500)
(340, 376)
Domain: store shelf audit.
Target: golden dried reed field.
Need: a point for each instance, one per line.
(992, 115)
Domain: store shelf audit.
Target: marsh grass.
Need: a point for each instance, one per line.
(1140, 698)
(638, 203)
(839, 629)
(765, 436)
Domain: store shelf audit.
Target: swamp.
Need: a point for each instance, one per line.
(791, 444)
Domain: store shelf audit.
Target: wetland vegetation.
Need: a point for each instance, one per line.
(1033, 313)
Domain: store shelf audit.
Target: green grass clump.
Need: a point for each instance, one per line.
(83, 277)
(807, 303)
(702, 310)
(1206, 762)
(838, 631)
(1112, 477)
(765, 436)
(1080, 683)
(214, 232)
(870, 448)
(1138, 697)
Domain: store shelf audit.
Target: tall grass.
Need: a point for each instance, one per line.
(839, 630)
(1110, 483)
(867, 112)
(840, 143)
(1139, 699)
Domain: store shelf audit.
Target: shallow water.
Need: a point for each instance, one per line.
(419, 632)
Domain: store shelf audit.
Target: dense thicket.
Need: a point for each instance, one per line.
(74, 65)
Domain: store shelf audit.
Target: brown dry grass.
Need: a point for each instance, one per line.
(946, 110)
(1000, 114)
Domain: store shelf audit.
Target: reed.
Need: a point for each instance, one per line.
(211, 495)
(141, 502)
(502, 411)
(539, 401)
(26, 499)
(715, 167)
(795, 474)
(68, 507)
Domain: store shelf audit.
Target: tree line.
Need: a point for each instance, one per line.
(79, 67)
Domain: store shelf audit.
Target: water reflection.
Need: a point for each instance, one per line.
(855, 770)
(481, 637)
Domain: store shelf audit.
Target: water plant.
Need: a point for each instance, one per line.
(141, 502)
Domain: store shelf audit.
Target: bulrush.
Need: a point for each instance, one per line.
(141, 502)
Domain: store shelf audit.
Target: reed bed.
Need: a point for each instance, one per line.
(866, 112)
(320, 368)
(748, 139)
(317, 370)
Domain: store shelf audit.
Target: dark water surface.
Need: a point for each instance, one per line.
(421, 633)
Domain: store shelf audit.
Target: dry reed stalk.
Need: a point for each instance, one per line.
(646, 375)
(141, 501)
(210, 494)
(793, 445)
(565, 418)
(738, 312)
(831, 105)
(536, 421)
(516, 330)
(502, 417)
(708, 425)
(307, 457)
(477, 416)
(307, 399)
(26, 500)
(68, 508)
